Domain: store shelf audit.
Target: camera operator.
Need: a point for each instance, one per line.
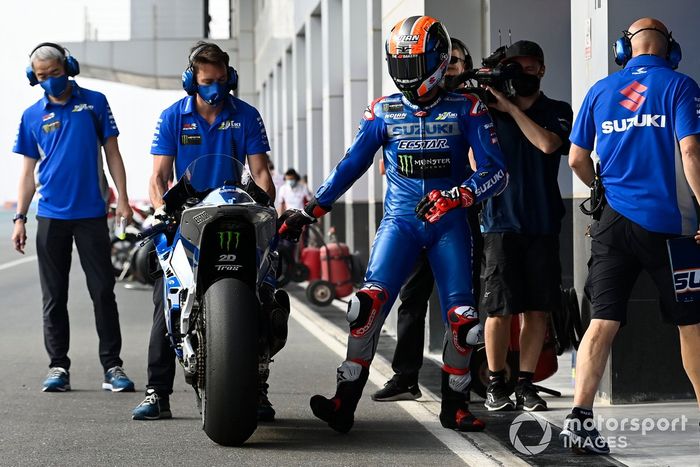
(521, 271)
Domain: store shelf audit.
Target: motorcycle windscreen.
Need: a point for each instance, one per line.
(213, 171)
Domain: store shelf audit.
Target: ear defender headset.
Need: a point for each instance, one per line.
(189, 80)
(70, 64)
(622, 48)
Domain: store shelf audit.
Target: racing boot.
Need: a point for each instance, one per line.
(454, 410)
(339, 411)
(265, 411)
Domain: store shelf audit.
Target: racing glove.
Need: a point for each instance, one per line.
(292, 222)
(159, 215)
(435, 204)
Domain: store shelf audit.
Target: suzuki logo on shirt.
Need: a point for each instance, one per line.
(642, 70)
(430, 128)
(624, 124)
(226, 124)
(81, 107)
(633, 96)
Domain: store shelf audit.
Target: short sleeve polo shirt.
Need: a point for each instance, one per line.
(635, 117)
(182, 133)
(66, 139)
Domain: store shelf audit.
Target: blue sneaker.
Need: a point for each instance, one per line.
(153, 407)
(58, 380)
(582, 437)
(117, 381)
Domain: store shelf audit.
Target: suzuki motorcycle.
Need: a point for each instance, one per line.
(215, 247)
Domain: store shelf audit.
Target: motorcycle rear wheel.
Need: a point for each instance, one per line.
(230, 396)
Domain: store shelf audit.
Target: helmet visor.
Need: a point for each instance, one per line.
(407, 68)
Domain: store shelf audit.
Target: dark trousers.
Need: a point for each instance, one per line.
(54, 245)
(414, 295)
(161, 356)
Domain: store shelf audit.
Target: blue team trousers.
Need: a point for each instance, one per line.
(396, 247)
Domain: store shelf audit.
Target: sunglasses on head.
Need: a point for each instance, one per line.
(454, 59)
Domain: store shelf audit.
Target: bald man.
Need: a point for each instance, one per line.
(635, 117)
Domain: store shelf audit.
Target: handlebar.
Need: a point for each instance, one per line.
(152, 231)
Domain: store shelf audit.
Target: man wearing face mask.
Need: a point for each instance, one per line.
(522, 273)
(61, 138)
(460, 61)
(293, 194)
(208, 121)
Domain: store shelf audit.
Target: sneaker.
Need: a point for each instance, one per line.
(581, 438)
(460, 418)
(527, 398)
(117, 381)
(153, 407)
(498, 397)
(393, 391)
(331, 412)
(265, 411)
(58, 380)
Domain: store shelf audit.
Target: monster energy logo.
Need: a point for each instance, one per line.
(226, 237)
(406, 163)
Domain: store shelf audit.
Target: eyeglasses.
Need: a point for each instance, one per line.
(454, 59)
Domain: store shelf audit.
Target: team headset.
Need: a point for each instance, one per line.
(189, 81)
(70, 64)
(622, 48)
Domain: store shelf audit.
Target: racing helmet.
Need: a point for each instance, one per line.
(417, 53)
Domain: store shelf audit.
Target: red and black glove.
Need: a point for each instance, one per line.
(436, 203)
(291, 224)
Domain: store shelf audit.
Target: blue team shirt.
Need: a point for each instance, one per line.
(66, 139)
(637, 115)
(182, 133)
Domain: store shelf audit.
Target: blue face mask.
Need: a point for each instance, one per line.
(212, 93)
(55, 85)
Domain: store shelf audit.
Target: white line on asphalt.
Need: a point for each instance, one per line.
(476, 449)
(17, 262)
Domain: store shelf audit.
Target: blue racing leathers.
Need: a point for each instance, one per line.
(425, 149)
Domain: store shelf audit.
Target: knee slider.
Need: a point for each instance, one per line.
(460, 383)
(348, 371)
(465, 328)
(364, 309)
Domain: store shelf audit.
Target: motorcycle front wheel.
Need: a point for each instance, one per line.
(230, 395)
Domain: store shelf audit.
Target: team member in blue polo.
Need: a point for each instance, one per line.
(636, 116)
(208, 121)
(62, 136)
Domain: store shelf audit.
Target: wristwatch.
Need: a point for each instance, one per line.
(19, 217)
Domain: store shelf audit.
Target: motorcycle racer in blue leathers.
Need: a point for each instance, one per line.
(426, 134)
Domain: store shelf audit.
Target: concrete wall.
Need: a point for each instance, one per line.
(167, 19)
